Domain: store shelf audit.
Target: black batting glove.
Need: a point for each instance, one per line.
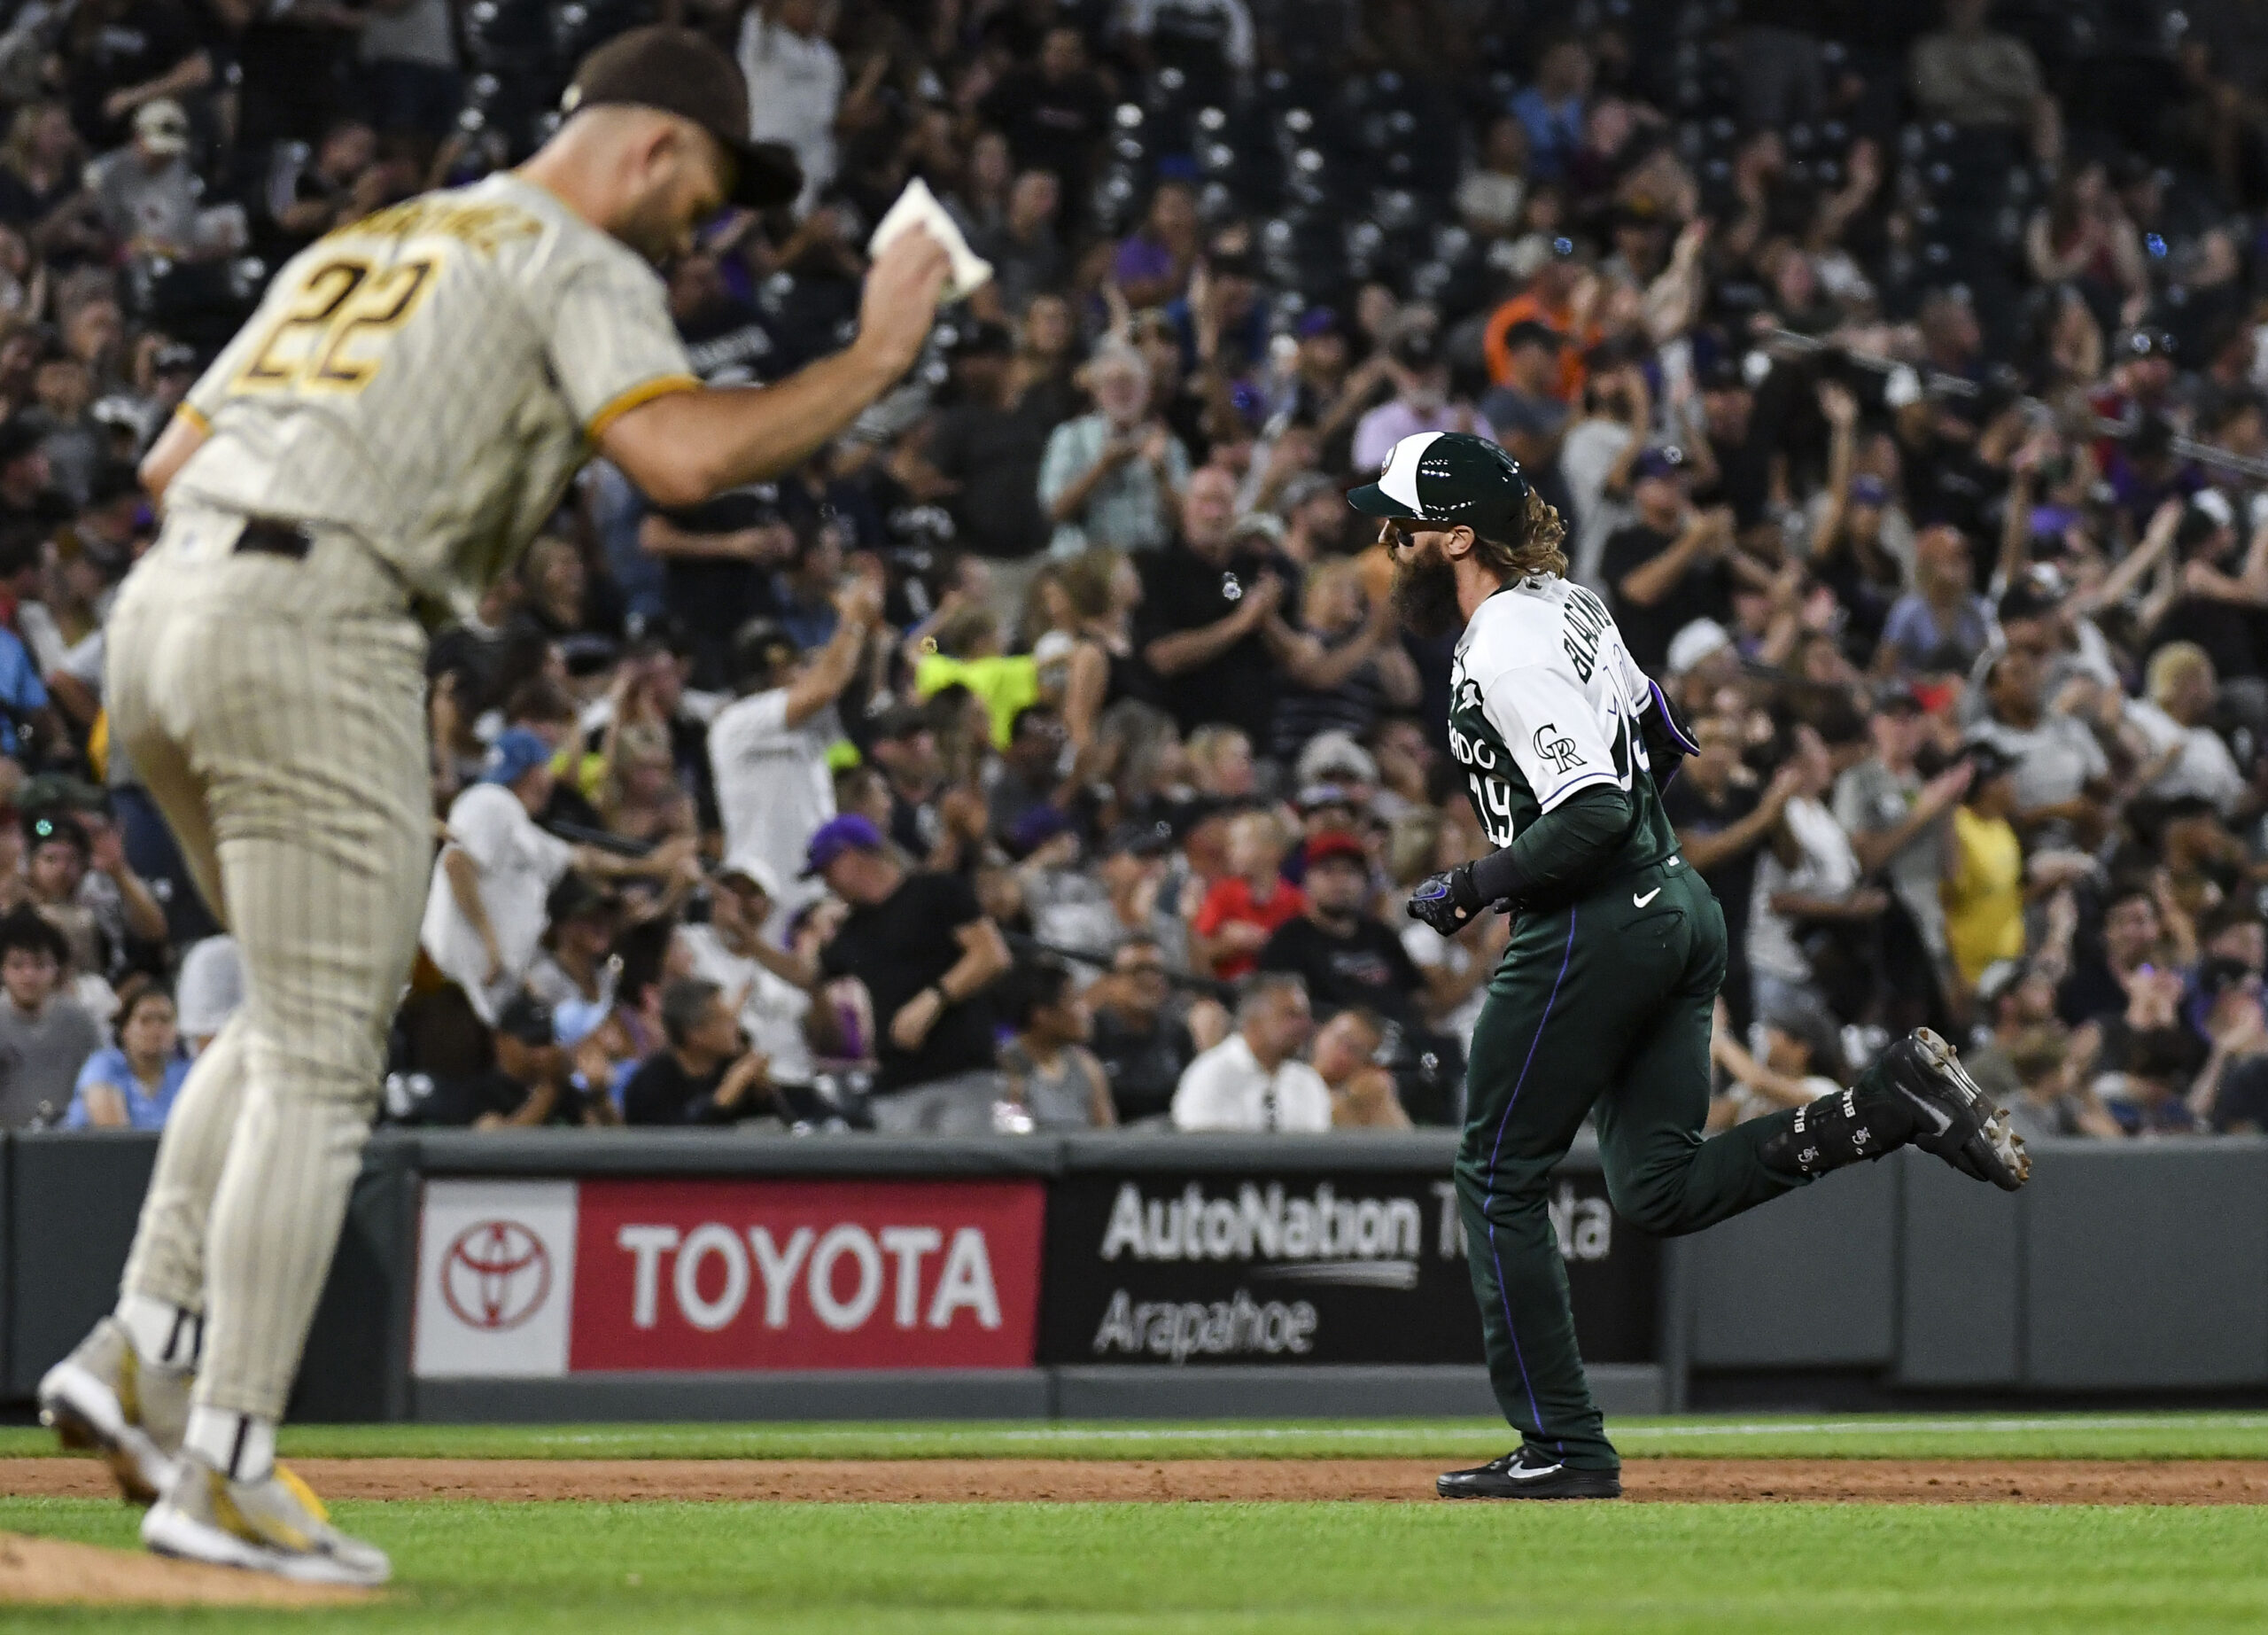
(1449, 902)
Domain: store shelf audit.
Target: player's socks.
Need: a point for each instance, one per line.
(240, 1446)
(166, 1334)
(1870, 1120)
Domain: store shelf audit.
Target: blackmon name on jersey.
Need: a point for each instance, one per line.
(1545, 702)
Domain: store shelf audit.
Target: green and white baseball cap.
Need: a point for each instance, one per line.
(1450, 479)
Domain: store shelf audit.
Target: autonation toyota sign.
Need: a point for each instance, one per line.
(1364, 1268)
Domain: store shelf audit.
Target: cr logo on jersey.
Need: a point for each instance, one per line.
(1553, 745)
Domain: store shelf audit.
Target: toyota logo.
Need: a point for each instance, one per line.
(496, 1275)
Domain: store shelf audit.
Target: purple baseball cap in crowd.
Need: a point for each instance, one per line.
(847, 833)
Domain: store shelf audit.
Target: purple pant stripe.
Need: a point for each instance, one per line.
(1566, 958)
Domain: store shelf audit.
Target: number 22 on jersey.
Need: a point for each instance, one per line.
(331, 336)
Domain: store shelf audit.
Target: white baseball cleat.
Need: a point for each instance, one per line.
(275, 1525)
(105, 1398)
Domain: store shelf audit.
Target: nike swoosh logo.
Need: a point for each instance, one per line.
(1639, 902)
(1519, 1473)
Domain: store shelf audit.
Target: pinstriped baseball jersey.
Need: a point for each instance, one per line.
(431, 377)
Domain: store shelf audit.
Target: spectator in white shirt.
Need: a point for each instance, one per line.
(768, 748)
(1253, 1080)
(2181, 754)
(730, 951)
(1807, 879)
(794, 86)
(485, 912)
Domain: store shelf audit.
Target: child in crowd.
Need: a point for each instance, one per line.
(1047, 1070)
(1244, 907)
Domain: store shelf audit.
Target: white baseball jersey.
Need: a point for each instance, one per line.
(431, 377)
(1545, 701)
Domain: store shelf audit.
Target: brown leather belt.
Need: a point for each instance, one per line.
(272, 538)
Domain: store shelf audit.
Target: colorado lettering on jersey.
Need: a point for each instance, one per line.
(1473, 744)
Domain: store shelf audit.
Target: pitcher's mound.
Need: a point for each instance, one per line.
(49, 1572)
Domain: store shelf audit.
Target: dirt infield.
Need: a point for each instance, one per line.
(48, 1572)
(932, 1481)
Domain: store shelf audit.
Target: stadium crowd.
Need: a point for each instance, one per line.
(1045, 753)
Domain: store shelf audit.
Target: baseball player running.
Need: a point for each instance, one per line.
(1601, 1004)
(400, 416)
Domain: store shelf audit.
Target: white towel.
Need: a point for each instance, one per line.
(918, 206)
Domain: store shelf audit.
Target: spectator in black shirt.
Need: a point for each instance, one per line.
(1739, 448)
(1031, 772)
(310, 194)
(904, 747)
(27, 494)
(1668, 568)
(1052, 112)
(2215, 605)
(705, 1074)
(984, 453)
(925, 952)
(125, 53)
(525, 1084)
(726, 337)
(1347, 958)
(1211, 621)
(1025, 250)
(43, 169)
(1142, 1036)
(718, 558)
(2133, 935)
(1723, 816)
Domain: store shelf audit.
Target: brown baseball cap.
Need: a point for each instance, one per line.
(680, 72)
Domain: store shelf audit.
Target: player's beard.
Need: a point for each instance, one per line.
(1425, 594)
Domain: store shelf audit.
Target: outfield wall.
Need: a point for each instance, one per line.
(561, 1275)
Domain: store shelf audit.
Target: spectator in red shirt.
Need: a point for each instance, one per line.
(1244, 907)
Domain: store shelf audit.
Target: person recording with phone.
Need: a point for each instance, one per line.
(1112, 478)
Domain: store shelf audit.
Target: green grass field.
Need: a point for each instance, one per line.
(1317, 1569)
(1950, 1435)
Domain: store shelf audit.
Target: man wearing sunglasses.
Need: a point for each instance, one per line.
(1602, 1005)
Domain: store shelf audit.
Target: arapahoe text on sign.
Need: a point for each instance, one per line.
(1360, 1266)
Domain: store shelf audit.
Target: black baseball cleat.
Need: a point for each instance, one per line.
(1528, 1473)
(1952, 1117)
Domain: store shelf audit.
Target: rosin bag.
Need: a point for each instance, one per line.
(918, 206)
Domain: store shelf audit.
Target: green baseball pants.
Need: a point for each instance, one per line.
(1603, 1008)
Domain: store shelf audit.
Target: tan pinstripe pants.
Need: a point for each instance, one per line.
(274, 709)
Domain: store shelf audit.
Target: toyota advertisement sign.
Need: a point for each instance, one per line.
(546, 1278)
(1169, 1269)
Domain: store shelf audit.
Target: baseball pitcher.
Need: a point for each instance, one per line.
(397, 420)
(1602, 1005)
